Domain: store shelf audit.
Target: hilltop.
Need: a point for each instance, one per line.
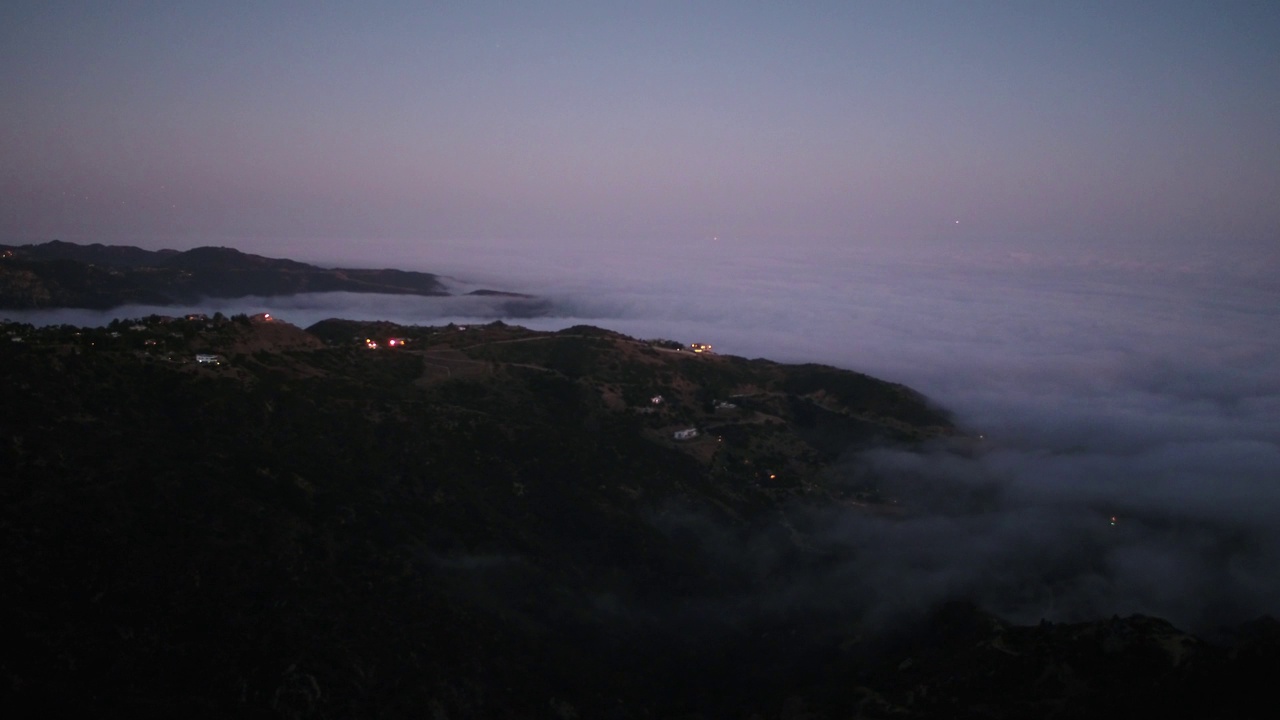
(61, 274)
(221, 516)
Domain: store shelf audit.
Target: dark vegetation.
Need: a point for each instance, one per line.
(484, 522)
(61, 274)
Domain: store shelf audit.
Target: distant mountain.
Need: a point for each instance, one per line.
(61, 274)
(236, 517)
(120, 256)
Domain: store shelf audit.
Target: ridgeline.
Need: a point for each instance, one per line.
(60, 274)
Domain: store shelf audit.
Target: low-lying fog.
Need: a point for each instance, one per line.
(1146, 390)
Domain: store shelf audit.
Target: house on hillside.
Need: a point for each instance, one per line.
(207, 359)
(686, 434)
(700, 347)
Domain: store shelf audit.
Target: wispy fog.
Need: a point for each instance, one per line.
(1145, 390)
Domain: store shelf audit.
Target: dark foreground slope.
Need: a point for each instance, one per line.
(483, 522)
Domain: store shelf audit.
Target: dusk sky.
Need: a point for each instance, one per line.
(308, 126)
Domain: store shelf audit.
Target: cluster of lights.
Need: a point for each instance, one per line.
(391, 342)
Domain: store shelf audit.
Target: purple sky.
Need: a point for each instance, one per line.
(290, 128)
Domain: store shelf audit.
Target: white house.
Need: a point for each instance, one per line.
(686, 434)
(203, 358)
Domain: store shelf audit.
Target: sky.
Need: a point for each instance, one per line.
(317, 129)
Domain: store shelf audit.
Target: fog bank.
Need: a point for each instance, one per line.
(1143, 389)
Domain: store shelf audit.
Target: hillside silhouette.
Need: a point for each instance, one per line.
(61, 274)
(214, 516)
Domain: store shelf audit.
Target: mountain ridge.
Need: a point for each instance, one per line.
(61, 274)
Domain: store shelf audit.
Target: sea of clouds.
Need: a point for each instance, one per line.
(1145, 389)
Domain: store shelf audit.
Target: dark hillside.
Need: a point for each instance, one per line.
(479, 522)
(60, 274)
